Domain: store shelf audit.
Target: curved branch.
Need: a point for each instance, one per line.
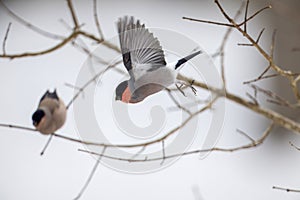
(270, 114)
(31, 26)
(252, 144)
(74, 17)
(38, 53)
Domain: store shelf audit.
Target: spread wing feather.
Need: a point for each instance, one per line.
(138, 45)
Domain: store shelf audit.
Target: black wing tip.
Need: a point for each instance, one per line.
(51, 95)
(185, 59)
(128, 20)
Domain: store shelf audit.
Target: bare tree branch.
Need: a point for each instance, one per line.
(80, 90)
(285, 189)
(274, 97)
(269, 57)
(97, 20)
(297, 148)
(222, 47)
(252, 144)
(31, 26)
(261, 76)
(46, 51)
(163, 152)
(90, 176)
(256, 13)
(108, 145)
(207, 21)
(46, 145)
(74, 17)
(278, 118)
(5, 38)
(177, 103)
(245, 18)
(257, 40)
(65, 40)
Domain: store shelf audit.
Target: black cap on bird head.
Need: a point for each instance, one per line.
(120, 90)
(37, 117)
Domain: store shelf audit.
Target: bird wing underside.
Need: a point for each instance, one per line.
(138, 45)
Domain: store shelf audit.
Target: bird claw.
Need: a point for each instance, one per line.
(194, 90)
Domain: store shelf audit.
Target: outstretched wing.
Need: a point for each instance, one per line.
(139, 47)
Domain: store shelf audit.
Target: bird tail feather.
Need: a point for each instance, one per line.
(185, 59)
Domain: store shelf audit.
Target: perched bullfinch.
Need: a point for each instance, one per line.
(50, 114)
(145, 62)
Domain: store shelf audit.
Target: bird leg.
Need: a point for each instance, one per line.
(181, 85)
(192, 87)
(180, 88)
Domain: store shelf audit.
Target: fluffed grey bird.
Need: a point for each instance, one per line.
(50, 114)
(145, 62)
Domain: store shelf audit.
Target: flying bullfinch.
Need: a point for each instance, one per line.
(145, 62)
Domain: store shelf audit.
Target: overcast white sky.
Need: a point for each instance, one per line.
(62, 171)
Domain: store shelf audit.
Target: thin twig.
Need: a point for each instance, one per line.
(139, 152)
(46, 145)
(5, 38)
(31, 26)
(72, 86)
(97, 20)
(190, 104)
(17, 127)
(256, 13)
(257, 39)
(91, 175)
(65, 40)
(42, 52)
(177, 103)
(207, 21)
(252, 41)
(234, 149)
(259, 35)
(80, 90)
(245, 135)
(163, 152)
(272, 95)
(261, 76)
(278, 118)
(107, 145)
(250, 145)
(285, 189)
(74, 17)
(245, 18)
(284, 73)
(297, 148)
(272, 48)
(82, 46)
(254, 100)
(225, 24)
(222, 47)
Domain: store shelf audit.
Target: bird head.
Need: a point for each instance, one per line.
(122, 92)
(37, 117)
